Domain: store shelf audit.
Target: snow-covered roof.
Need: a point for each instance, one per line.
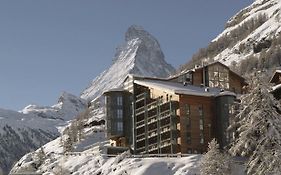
(114, 90)
(179, 88)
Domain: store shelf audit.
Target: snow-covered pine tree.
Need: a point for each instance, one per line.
(214, 162)
(40, 157)
(67, 145)
(259, 131)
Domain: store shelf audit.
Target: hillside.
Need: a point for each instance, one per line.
(25, 131)
(251, 39)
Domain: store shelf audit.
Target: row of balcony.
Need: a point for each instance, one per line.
(152, 133)
(150, 121)
(156, 146)
(151, 106)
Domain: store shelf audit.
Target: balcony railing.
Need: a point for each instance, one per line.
(142, 95)
(141, 148)
(140, 137)
(152, 120)
(153, 147)
(152, 134)
(140, 124)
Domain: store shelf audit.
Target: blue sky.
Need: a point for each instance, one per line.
(47, 47)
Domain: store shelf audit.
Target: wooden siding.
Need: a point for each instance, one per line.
(198, 77)
(235, 84)
(194, 129)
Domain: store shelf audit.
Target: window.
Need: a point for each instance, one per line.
(120, 126)
(218, 77)
(200, 109)
(187, 114)
(119, 101)
(201, 138)
(187, 109)
(119, 113)
(188, 138)
(201, 124)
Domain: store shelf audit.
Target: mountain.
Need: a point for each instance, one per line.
(68, 106)
(140, 54)
(251, 39)
(25, 131)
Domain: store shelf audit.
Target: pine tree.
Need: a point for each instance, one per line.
(67, 145)
(214, 162)
(259, 131)
(40, 157)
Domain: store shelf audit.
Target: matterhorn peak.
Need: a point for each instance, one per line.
(139, 55)
(137, 32)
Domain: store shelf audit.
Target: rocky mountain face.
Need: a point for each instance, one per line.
(25, 131)
(252, 34)
(140, 54)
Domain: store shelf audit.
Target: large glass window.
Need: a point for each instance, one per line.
(201, 138)
(119, 113)
(119, 101)
(188, 137)
(218, 77)
(120, 126)
(201, 124)
(187, 114)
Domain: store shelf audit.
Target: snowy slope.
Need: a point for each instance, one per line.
(67, 107)
(89, 159)
(271, 28)
(25, 131)
(140, 54)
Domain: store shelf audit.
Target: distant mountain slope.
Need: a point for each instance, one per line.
(252, 32)
(140, 54)
(25, 131)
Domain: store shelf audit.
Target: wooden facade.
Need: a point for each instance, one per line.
(196, 117)
(213, 75)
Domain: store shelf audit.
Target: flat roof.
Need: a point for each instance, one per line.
(179, 88)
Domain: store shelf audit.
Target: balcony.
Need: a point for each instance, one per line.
(152, 120)
(140, 96)
(141, 148)
(140, 124)
(165, 143)
(152, 133)
(165, 128)
(152, 147)
(140, 110)
(165, 114)
(140, 137)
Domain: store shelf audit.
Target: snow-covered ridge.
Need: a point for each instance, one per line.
(140, 54)
(269, 29)
(25, 131)
(68, 106)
